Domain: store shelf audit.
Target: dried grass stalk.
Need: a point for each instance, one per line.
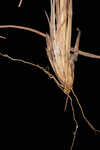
(60, 53)
(59, 42)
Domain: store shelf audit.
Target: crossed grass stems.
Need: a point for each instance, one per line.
(51, 76)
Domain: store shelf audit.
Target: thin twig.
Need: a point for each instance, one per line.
(86, 120)
(80, 52)
(20, 3)
(66, 103)
(26, 62)
(76, 124)
(2, 37)
(23, 28)
(34, 65)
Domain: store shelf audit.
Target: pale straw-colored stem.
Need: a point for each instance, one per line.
(80, 52)
(2, 37)
(23, 28)
(20, 3)
(88, 54)
(66, 102)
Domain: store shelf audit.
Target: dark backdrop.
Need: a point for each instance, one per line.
(32, 106)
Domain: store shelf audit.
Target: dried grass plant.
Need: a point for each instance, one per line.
(61, 55)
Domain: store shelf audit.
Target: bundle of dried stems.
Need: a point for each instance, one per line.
(61, 55)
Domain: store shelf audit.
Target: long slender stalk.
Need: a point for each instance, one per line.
(23, 28)
(76, 124)
(33, 65)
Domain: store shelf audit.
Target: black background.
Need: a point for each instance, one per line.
(32, 106)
